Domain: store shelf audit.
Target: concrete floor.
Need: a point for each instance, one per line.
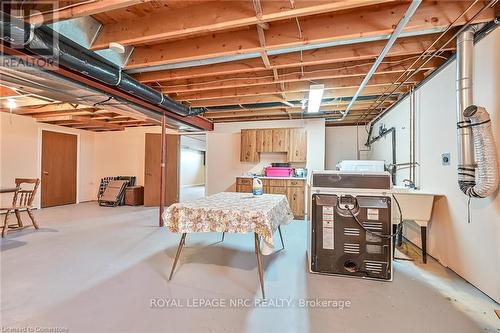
(95, 269)
(189, 193)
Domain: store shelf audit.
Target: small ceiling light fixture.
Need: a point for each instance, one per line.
(117, 47)
(315, 97)
(11, 103)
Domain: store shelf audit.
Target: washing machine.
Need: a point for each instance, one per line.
(349, 224)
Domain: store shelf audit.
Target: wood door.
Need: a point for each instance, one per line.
(296, 199)
(281, 139)
(248, 150)
(298, 145)
(152, 169)
(59, 156)
(265, 140)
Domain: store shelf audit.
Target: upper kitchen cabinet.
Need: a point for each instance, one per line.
(281, 139)
(265, 141)
(248, 152)
(298, 145)
(292, 141)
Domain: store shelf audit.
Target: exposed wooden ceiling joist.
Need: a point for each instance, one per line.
(338, 105)
(351, 119)
(368, 91)
(377, 21)
(338, 84)
(407, 46)
(79, 112)
(350, 70)
(212, 16)
(59, 107)
(251, 113)
(86, 8)
(82, 122)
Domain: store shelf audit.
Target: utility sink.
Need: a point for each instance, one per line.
(415, 204)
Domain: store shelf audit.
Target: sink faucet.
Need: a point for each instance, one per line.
(409, 183)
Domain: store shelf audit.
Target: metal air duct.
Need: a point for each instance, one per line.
(46, 43)
(474, 134)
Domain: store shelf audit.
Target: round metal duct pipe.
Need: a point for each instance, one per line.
(44, 42)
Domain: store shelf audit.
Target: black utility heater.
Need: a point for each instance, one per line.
(350, 235)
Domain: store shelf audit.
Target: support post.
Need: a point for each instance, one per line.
(162, 168)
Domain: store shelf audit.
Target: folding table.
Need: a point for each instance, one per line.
(235, 213)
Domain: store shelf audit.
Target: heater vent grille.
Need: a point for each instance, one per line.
(373, 226)
(374, 266)
(352, 248)
(351, 231)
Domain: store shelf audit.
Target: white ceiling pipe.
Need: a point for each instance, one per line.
(395, 34)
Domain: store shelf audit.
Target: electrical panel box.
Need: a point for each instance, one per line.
(341, 246)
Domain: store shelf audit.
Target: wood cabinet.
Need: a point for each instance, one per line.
(281, 139)
(294, 189)
(296, 199)
(248, 152)
(265, 141)
(134, 196)
(292, 141)
(298, 145)
(277, 190)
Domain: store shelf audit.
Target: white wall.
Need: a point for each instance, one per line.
(192, 169)
(470, 249)
(341, 144)
(192, 164)
(20, 154)
(99, 154)
(223, 151)
(122, 153)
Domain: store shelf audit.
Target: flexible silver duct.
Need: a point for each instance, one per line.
(474, 133)
(486, 154)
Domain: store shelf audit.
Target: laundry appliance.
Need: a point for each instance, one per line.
(349, 224)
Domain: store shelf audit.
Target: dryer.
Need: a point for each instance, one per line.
(349, 224)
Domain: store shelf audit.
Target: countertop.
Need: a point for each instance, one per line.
(265, 177)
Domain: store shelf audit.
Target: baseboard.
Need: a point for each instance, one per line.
(193, 185)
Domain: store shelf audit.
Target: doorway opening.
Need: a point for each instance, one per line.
(192, 166)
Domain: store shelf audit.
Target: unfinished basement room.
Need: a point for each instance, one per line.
(249, 166)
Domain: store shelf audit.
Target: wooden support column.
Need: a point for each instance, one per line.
(162, 167)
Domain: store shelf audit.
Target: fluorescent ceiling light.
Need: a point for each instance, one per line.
(315, 97)
(11, 103)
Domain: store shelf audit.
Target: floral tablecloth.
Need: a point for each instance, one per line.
(231, 212)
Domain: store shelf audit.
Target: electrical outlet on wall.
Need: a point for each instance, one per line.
(445, 158)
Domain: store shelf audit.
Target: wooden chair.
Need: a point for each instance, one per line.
(23, 199)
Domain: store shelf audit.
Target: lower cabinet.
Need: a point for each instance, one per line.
(294, 189)
(296, 199)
